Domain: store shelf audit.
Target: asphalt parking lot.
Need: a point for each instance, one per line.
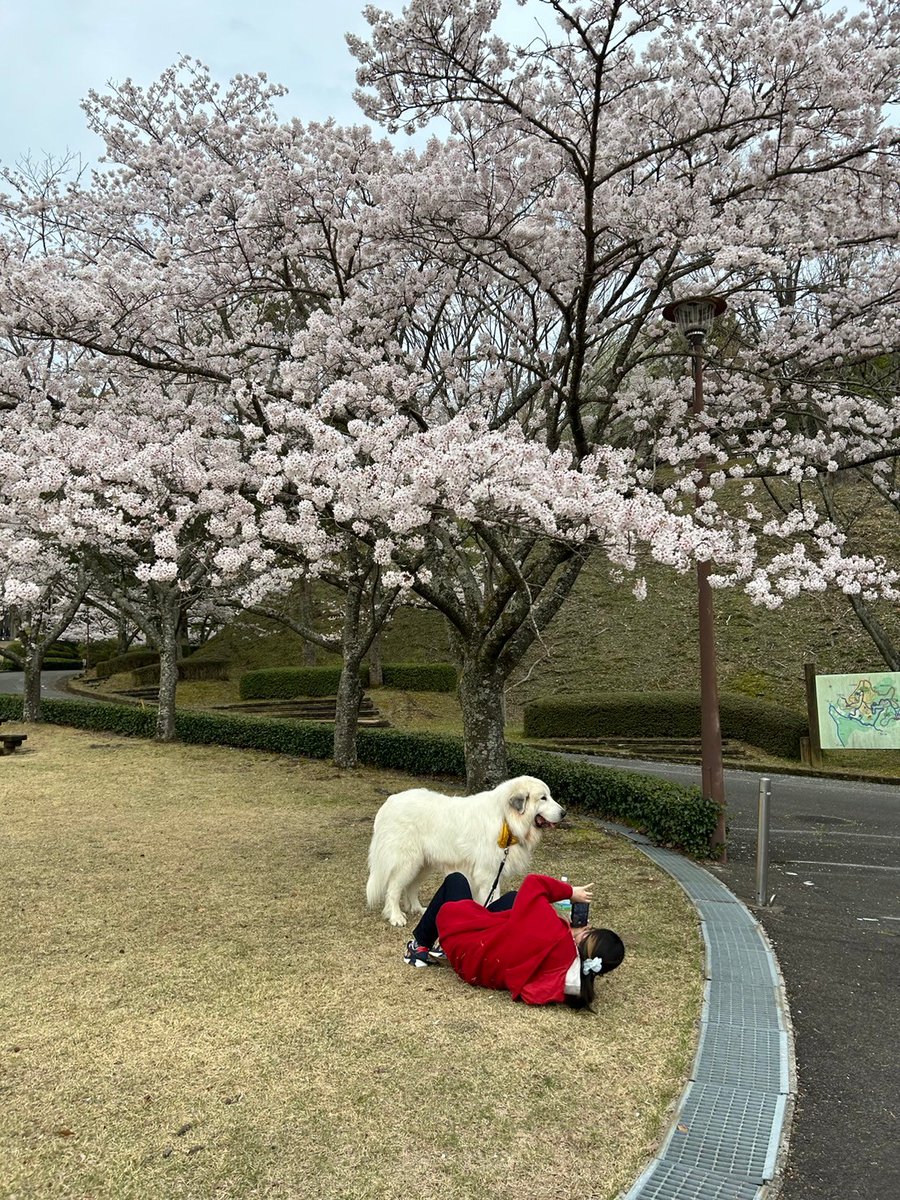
(834, 921)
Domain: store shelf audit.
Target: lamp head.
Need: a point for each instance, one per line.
(694, 315)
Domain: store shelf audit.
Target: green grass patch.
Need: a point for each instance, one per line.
(667, 812)
(196, 1003)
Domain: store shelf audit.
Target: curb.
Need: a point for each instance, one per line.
(729, 1133)
(750, 768)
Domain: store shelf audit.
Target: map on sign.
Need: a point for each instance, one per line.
(859, 712)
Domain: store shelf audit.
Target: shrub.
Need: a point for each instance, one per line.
(286, 683)
(128, 720)
(60, 656)
(420, 677)
(65, 648)
(204, 668)
(666, 812)
(126, 662)
(667, 714)
(98, 651)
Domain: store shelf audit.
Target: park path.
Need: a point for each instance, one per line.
(53, 685)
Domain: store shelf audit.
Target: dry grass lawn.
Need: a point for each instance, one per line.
(195, 1003)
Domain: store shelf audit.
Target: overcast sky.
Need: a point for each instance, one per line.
(54, 51)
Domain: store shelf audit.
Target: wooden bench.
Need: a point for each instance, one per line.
(11, 742)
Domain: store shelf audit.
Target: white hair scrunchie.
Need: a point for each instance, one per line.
(592, 966)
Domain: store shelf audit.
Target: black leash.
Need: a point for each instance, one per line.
(497, 877)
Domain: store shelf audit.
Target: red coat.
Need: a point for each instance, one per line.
(527, 950)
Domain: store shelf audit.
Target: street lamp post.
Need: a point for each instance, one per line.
(694, 317)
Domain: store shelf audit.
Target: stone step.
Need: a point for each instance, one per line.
(296, 707)
(673, 749)
(318, 709)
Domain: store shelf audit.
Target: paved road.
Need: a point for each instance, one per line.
(52, 685)
(835, 925)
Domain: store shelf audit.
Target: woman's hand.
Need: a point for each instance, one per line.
(583, 895)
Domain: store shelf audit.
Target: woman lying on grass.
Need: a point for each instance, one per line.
(519, 942)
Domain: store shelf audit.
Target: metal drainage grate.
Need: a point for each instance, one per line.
(749, 1008)
(671, 1181)
(729, 1131)
(734, 957)
(727, 916)
(724, 1139)
(742, 1058)
(699, 884)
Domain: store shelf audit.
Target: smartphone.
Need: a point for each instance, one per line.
(580, 912)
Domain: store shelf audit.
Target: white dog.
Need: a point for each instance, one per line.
(418, 830)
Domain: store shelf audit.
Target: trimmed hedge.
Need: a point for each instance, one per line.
(667, 714)
(100, 650)
(49, 664)
(126, 662)
(420, 677)
(666, 812)
(60, 656)
(203, 668)
(188, 668)
(130, 720)
(285, 683)
(65, 647)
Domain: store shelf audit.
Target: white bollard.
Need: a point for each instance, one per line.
(762, 843)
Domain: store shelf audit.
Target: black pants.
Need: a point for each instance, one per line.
(454, 887)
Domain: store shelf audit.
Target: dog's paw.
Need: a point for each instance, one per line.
(397, 919)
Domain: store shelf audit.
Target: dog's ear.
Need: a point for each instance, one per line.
(518, 803)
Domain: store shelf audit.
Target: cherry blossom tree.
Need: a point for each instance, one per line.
(46, 588)
(453, 361)
(144, 486)
(631, 154)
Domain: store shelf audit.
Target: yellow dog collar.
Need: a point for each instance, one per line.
(507, 838)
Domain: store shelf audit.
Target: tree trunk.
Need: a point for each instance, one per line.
(168, 672)
(31, 684)
(376, 666)
(484, 725)
(493, 621)
(181, 636)
(876, 632)
(350, 693)
(123, 641)
(306, 618)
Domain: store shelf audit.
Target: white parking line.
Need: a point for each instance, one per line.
(815, 862)
(885, 837)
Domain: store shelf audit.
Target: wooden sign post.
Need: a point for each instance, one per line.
(812, 707)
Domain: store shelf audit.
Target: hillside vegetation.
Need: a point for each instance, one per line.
(605, 640)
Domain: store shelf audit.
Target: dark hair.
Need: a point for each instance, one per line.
(596, 943)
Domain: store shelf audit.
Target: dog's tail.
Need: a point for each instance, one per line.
(374, 891)
(377, 883)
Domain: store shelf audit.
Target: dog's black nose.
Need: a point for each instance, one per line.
(562, 814)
